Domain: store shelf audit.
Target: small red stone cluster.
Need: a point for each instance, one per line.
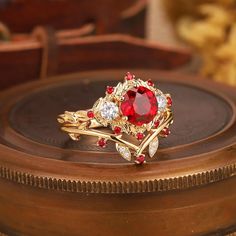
(117, 130)
(110, 89)
(169, 101)
(140, 159)
(140, 136)
(90, 114)
(102, 143)
(129, 76)
(165, 132)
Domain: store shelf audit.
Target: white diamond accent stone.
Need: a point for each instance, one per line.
(109, 110)
(162, 102)
(153, 146)
(124, 152)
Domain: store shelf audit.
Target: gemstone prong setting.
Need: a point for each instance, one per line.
(134, 107)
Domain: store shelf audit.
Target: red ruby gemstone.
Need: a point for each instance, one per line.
(150, 83)
(139, 105)
(102, 142)
(140, 136)
(110, 89)
(90, 114)
(140, 159)
(165, 131)
(169, 101)
(156, 123)
(117, 130)
(129, 76)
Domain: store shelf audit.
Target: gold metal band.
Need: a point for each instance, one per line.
(75, 130)
(135, 108)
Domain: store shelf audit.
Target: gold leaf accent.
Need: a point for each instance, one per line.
(74, 137)
(83, 125)
(119, 89)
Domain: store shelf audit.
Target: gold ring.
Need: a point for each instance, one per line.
(136, 113)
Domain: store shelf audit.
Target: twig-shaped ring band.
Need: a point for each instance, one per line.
(133, 108)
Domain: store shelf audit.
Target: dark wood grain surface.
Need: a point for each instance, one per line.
(50, 185)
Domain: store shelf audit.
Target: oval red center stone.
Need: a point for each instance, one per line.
(139, 105)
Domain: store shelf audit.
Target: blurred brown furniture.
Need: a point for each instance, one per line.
(112, 39)
(109, 16)
(51, 185)
(27, 60)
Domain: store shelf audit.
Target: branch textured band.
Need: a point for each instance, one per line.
(136, 113)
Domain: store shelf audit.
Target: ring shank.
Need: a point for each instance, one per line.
(90, 129)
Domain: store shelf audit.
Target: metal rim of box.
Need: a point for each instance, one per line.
(156, 185)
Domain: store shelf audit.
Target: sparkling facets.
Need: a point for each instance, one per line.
(109, 110)
(162, 102)
(124, 152)
(139, 105)
(153, 146)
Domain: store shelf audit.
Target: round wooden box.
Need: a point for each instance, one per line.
(51, 185)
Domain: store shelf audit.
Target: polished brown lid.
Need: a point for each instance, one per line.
(200, 149)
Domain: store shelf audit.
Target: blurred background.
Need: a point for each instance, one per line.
(208, 28)
(41, 39)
